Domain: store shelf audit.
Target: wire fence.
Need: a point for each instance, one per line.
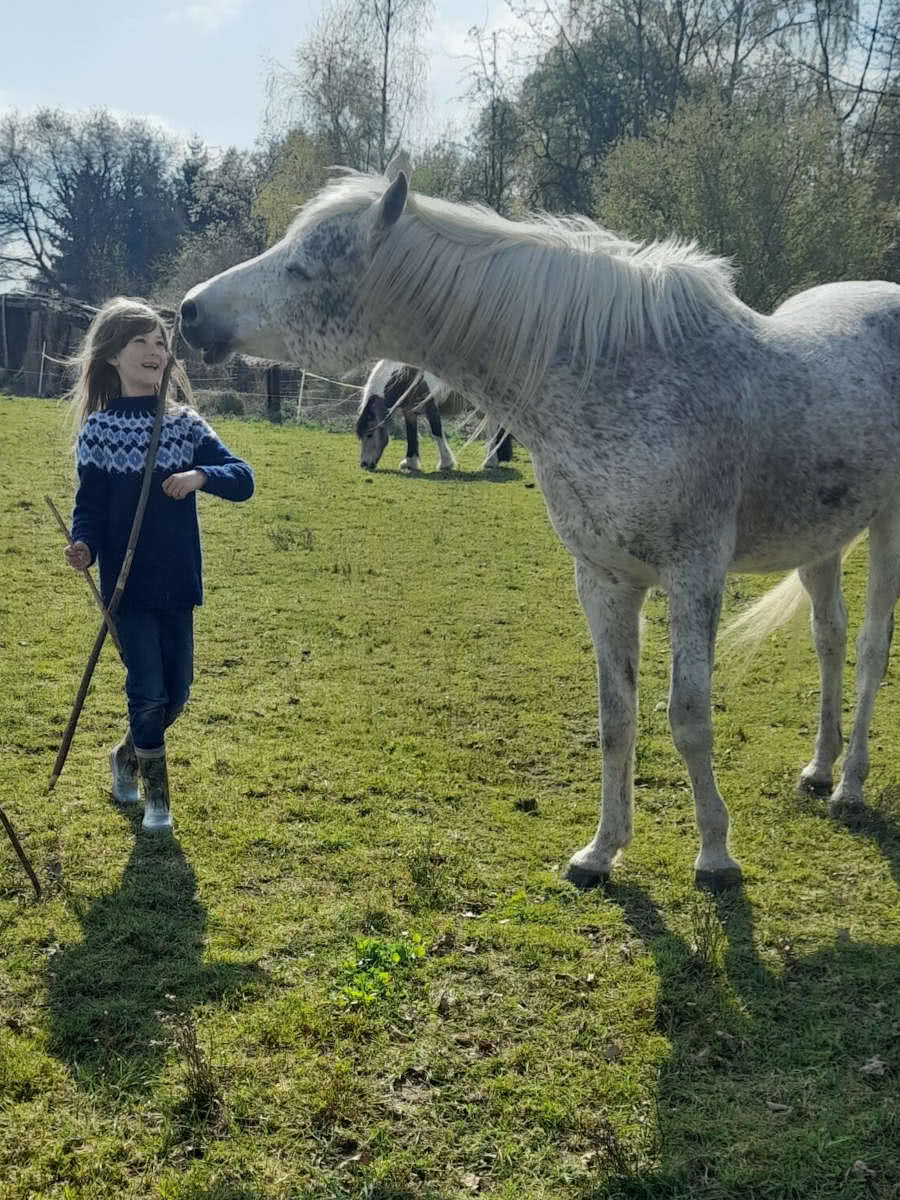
(235, 388)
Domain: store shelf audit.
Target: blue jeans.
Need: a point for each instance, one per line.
(158, 652)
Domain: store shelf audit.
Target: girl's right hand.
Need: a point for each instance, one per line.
(78, 556)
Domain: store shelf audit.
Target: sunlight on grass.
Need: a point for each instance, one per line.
(356, 970)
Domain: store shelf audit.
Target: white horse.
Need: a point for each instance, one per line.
(676, 434)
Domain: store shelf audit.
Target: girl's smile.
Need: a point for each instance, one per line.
(140, 363)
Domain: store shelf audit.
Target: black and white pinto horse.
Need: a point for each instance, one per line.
(676, 435)
(393, 385)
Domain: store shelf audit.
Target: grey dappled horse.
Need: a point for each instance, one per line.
(393, 385)
(676, 434)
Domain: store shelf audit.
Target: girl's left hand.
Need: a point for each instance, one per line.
(182, 484)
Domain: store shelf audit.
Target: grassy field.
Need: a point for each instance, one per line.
(356, 971)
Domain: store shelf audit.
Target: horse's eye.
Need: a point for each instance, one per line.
(298, 271)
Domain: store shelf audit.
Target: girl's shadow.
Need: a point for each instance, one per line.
(141, 957)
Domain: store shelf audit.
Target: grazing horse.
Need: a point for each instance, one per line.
(391, 384)
(676, 433)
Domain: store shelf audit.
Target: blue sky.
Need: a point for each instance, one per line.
(198, 66)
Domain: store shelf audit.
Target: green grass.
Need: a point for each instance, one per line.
(391, 745)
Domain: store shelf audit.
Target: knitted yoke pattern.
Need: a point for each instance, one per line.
(166, 571)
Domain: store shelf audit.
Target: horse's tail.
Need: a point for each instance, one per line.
(774, 608)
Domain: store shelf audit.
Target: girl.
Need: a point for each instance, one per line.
(120, 369)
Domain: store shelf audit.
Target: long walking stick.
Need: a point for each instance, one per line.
(17, 846)
(86, 573)
(124, 570)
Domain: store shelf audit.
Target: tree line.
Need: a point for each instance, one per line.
(767, 130)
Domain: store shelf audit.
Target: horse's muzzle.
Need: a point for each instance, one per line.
(200, 332)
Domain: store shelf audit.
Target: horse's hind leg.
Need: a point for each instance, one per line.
(872, 648)
(829, 630)
(499, 447)
(446, 462)
(613, 614)
(695, 600)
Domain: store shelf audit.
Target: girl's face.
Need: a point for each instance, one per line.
(140, 363)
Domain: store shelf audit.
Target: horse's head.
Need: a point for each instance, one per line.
(298, 300)
(371, 429)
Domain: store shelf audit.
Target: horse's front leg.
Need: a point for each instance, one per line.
(695, 600)
(613, 614)
(411, 462)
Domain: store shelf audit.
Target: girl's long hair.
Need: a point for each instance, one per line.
(98, 382)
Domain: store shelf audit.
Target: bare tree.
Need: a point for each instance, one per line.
(356, 80)
(494, 142)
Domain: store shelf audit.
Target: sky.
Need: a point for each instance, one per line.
(196, 66)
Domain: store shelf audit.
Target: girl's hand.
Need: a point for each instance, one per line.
(78, 556)
(181, 485)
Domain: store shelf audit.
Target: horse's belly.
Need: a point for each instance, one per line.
(810, 524)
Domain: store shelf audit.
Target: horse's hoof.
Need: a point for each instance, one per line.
(584, 879)
(845, 808)
(717, 881)
(814, 787)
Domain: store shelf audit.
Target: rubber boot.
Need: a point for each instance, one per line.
(123, 765)
(155, 780)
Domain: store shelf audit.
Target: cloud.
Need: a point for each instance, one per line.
(207, 15)
(453, 53)
(450, 35)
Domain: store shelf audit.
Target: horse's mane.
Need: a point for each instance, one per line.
(515, 295)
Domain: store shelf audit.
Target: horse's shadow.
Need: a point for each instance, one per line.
(875, 823)
(489, 475)
(773, 1053)
(140, 959)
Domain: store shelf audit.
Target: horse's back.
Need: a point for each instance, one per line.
(823, 452)
(843, 340)
(839, 304)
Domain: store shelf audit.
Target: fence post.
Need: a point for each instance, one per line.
(41, 373)
(3, 331)
(273, 393)
(300, 393)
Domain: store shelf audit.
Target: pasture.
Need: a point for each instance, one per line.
(356, 972)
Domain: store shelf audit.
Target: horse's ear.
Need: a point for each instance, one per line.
(400, 162)
(393, 202)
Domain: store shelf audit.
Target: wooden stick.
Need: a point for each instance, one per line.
(17, 846)
(86, 573)
(124, 570)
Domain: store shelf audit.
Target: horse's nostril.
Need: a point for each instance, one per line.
(188, 312)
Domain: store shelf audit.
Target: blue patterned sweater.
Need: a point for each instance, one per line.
(166, 571)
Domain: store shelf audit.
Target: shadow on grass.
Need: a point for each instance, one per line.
(877, 823)
(141, 957)
(780, 1078)
(490, 475)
